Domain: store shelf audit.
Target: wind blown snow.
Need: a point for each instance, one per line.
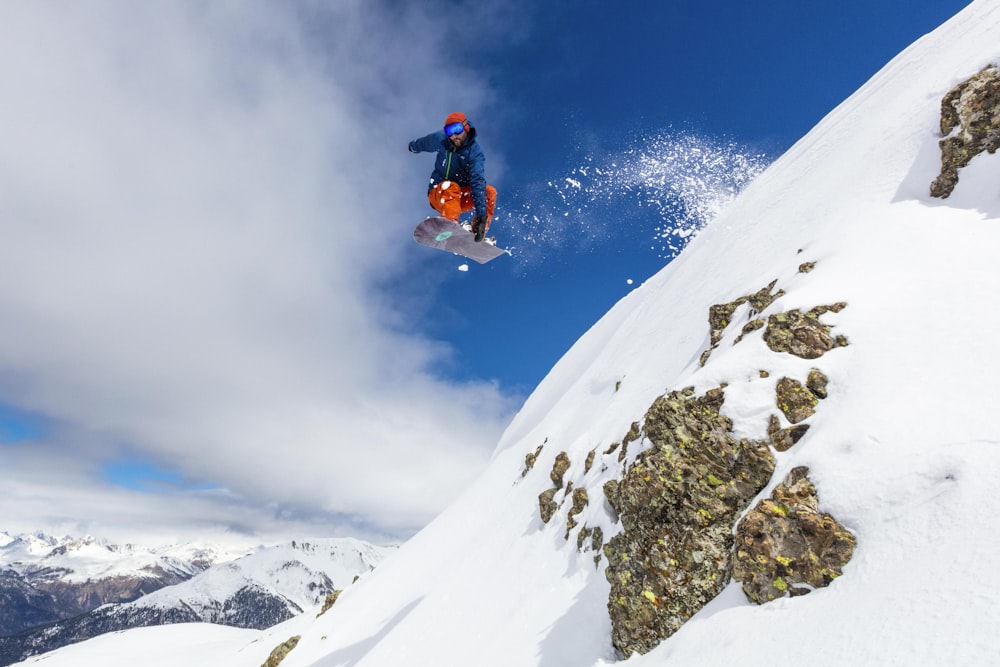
(685, 180)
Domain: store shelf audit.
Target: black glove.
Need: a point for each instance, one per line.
(410, 147)
(479, 228)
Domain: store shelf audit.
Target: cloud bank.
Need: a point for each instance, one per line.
(198, 205)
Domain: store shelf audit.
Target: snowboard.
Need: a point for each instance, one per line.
(443, 234)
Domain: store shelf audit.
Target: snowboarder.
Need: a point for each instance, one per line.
(458, 183)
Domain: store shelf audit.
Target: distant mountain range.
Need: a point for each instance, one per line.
(57, 591)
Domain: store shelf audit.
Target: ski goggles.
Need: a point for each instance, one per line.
(454, 128)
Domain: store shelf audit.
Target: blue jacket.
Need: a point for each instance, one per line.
(465, 165)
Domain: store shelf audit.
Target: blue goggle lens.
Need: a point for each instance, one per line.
(453, 129)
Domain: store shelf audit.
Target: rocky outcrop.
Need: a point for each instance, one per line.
(795, 400)
(331, 599)
(547, 505)
(803, 334)
(783, 439)
(720, 316)
(530, 458)
(281, 651)
(546, 499)
(677, 504)
(970, 123)
(580, 501)
(559, 469)
(786, 546)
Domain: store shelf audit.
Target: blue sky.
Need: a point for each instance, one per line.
(594, 80)
(208, 280)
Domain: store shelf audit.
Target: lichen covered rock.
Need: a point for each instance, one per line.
(795, 400)
(786, 546)
(559, 469)
(970, 123)
(817, 382)
(331, 599)
(547, 504)
(281, 651)
(580, 501)
(748, 328)
(803, 334)
(530, 458)
(677, 504)
(613, 495)
(783, 439)
(721, 315)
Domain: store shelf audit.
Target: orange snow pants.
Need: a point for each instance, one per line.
(453, 200)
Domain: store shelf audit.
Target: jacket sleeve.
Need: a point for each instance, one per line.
(429, 144)
(477, 178)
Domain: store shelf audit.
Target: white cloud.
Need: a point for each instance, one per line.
(196, 204)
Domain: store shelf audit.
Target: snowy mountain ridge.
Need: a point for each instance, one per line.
(80, 559)
(258, 590)
(302, 573)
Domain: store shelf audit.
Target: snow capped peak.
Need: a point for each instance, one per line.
(28, 547)
(303, 573)
(89, 558)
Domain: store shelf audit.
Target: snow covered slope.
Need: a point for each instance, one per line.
(258, 591)
(46, 578)
(76, 560)
(903, 451)
(301, 574)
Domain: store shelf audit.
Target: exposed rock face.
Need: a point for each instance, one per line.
(580, 501)
(817, 382)
(795, 400)
(783, 439)
(973, 109)
(803, 334)
(559, 469)
(547, 504)
(678, 504)
(530, 458)
(93, 594)
(720, 315)
(546, 499)
(23, 606)
(331, 599)
(281, 651)
(786, 546)
(42, 597)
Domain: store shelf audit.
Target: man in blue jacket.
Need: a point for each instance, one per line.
(458, 183)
